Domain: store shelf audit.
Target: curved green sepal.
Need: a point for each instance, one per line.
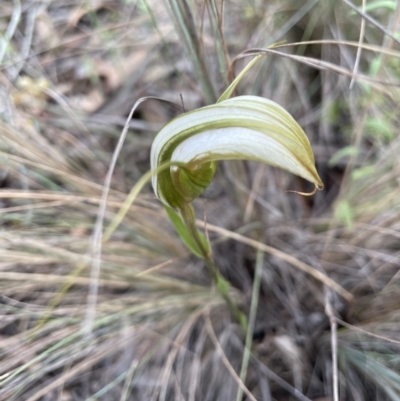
(231, 88)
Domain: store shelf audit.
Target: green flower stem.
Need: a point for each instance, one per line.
(221, 284)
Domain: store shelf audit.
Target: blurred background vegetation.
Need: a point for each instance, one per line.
(147, 325)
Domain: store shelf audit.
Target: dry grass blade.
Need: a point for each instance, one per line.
(333, 323)
(368, 333)
(363, 46)
(41, 278)
(252, 320)
(318, 64)
(53, 170)
(291, 390)
(78, 369)
(371, 20)
(98, 228)
(282, 255)
(181, 11)
(11, 28)
(96, 245)
(223, 357)
(358, 57)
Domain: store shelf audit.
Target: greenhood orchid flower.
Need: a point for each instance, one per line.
(245, 128)
(185, 152)
(184, 155)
